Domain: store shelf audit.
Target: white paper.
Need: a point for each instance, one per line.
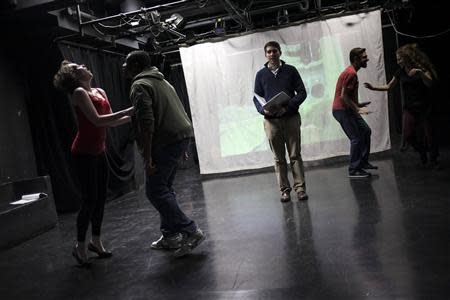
(279, 99)
(31, 196)
(260, 99)
(28, 198)
(21, 202)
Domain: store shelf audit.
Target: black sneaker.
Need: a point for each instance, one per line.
(369, 166)
(359, 174)
(285, 196)
(190, 242)
(168, 243)
(435, 165)
(302, 195)
(404, 148)
(423, 158)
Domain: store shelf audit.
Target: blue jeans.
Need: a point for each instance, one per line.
(359, 133)
(159, 189)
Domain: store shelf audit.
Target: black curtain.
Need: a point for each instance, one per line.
(52, 120)
(34, 59)
(176, 78)
(50, 116)
(425, 19)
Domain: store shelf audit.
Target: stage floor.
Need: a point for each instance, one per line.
(382, 238)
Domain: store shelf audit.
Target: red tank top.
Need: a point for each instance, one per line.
(90, 139)
(349, 80)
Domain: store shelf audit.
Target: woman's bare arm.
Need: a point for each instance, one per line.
(81, 99)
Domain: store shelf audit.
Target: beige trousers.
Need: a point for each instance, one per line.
(281, 132)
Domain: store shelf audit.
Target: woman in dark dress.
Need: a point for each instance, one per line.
(417, 76)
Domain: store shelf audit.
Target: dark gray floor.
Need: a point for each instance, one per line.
(383, 238)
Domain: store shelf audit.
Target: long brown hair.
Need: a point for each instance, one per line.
(414, 57)
(65, 79)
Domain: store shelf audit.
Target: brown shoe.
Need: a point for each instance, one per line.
(285, 197)
(302, 196)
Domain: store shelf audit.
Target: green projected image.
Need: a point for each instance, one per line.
(319, 63)
(241, 131)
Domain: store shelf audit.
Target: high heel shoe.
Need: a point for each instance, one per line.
(79, 259)
(100, 253)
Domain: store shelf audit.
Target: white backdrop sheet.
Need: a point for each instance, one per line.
(220, 76)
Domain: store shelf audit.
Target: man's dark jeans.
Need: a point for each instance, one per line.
(359, 133)
(160, 192)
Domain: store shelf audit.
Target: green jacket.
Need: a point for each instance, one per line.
(159, 112)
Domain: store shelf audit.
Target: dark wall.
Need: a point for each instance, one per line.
(38, 143)
(394, 96)
(426, 24)
(17, 160)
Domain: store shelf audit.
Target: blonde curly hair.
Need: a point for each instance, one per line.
(66, 79)
(414, 57)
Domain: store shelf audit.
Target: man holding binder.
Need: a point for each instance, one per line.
(279, 91)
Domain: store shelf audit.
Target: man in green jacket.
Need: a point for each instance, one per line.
(163, 130)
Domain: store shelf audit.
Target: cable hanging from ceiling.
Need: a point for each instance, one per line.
(388, 12)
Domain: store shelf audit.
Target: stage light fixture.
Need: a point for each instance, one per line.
(152, 46)
(219, 27)
(156, 17)
(176, 20)
(304, 5)
(283, 17)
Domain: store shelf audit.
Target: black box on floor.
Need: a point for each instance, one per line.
(23, 221)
